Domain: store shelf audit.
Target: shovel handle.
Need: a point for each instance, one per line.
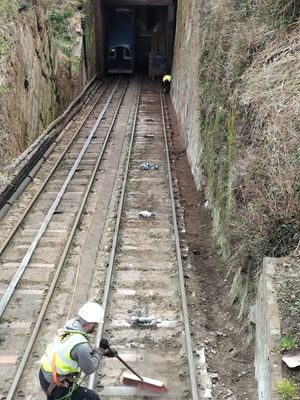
(127, 366)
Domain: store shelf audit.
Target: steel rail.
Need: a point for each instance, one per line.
(100, 327)
(33, 146)
(30, 174)
(22, 217)
(25, 261)
(28, 166)
(42, 313)
(189, 349)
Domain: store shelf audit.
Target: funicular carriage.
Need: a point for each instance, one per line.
(120, 41)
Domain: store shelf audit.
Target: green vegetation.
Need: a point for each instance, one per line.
(7, 12)
(281, 13)
(277, 13)
(65, 36)
(60, 26)
(283, 237)
(7, 17)
(287, 343)
(217, 132)
(287, 389)
(297, 305)
(7, 8)
(3, 48)
(2, 89)
(244, 7)
(74, 63)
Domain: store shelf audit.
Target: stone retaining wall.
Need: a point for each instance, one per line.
(185, 72)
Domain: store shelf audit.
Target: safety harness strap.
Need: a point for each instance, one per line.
(54, 374)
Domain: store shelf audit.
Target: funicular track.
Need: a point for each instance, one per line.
(137, 275)
(33, 254)
(144, 295)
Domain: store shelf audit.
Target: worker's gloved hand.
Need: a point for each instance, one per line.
(94, 349)
(110, 353)
(104, 344)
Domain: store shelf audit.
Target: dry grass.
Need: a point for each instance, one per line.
(267, 173)
(250, 73)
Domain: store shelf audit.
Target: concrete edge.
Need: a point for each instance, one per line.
(267, 353)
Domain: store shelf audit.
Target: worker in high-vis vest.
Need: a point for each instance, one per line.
(166, 83)
(71, 353)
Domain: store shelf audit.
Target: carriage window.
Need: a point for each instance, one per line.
(126, 54)
(112, 53)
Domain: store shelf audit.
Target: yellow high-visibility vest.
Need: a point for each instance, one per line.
(167, 78)
(61, 347)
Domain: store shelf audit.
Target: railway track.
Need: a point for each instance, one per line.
(103, 226)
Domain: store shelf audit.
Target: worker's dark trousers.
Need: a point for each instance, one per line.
(166, 86)
(80, 393)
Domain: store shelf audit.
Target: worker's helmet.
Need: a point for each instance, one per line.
(91, 312)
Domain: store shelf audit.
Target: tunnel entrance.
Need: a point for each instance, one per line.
(139, 36)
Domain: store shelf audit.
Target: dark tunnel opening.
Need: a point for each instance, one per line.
(139, 38)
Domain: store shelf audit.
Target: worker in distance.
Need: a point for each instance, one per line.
(166, 82)
(72, 352)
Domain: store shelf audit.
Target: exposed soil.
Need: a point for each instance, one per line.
(214, 320)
